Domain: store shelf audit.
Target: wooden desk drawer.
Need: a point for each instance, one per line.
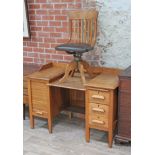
(97, 119)
(39, 99)
(100, 109)
(99, 96)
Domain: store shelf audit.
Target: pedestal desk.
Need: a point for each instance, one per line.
(96, 100)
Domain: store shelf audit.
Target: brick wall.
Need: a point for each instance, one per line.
(48, 28)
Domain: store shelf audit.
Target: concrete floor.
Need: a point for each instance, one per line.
(68, 138)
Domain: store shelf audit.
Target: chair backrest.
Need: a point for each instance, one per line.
(83, 26)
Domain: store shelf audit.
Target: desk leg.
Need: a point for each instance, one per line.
(31, 121)
(110, 138)
(30, 105)
(87, 134)
(49, 125)
(23, 111)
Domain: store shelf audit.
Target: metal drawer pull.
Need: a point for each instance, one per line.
(97, 121)
(98, 97)
(39, 112)
(98, 109)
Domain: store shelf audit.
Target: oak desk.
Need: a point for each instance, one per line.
(48, 97)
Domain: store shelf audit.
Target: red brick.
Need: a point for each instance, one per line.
(49, 40)
(60, 6)
(60, 17)
(39, 61)
(25, 54)
(47, 6)
(32, 54)
(63, 29)
(43, 34)
(37, 39)
(68, 57)
(55, 23)
(34, 6)
(50, 51)
(35, 17)
(42, 23)
(54, 12)
(34, 34)
(41, 1)
(31, 12)
(28, 59)
(34, 28)
(65, 24)
(32, 44)
(48, 29)
(58, 57)
(41, 12)
(45, 45)
(54, 1)
(67, 0)
(62, 40)
(30, 1)
(39, 50)
(55, 34)
(44, 56)
(26, 39)
(48, 18)
(75, 6)
(32, 23)
(27, 49)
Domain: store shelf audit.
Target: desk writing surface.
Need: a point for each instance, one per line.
(106, 81)
(72, 83)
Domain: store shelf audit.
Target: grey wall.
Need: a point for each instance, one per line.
(113, 43)
(114, 21)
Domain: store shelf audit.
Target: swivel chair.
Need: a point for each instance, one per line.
(82, 30)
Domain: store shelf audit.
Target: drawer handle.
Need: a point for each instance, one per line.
(97, 121)
(98, 97)
(98, 109)
(39, 112)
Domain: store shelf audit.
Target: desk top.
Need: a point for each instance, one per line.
(105, 77)
(71, 83)
(106, 81)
